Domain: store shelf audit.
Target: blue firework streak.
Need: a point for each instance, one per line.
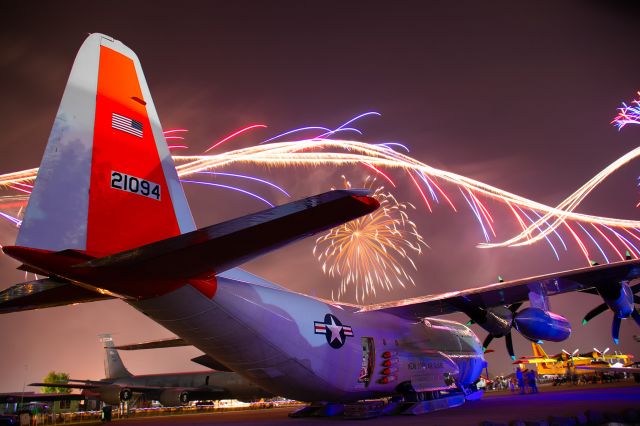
(628, 114)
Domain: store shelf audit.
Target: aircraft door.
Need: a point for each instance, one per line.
(368, 361)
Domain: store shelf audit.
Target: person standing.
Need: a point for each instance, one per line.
(531, 381)
(520, 379)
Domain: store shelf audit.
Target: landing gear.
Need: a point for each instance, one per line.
(416, 403)
(319, 409)
(409, 403)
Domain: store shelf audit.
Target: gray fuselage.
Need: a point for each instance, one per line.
(284, 342)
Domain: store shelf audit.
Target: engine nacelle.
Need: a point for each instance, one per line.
(114, 395)
(537, 324)
(173, 397)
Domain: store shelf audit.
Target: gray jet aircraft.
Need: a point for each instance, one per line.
(172, 389)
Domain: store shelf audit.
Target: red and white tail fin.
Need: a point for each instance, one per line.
(107, 182)
(538, 351)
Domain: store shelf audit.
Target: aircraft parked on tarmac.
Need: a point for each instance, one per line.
(571, 363)
(173, 389)
(108, 218)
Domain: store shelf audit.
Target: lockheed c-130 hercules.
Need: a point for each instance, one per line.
(108, 218)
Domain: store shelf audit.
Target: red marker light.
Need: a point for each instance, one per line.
(387, 379)
(386, 354)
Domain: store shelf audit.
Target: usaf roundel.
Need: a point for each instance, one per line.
(334, 331)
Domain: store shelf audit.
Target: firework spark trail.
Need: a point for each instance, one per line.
(323, 152)
(299, 154)
(236, 133)
(369, 253)
(628, 114)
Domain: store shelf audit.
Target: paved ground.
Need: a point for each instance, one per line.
(497, 407)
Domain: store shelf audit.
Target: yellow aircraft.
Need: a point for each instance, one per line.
(566, 363)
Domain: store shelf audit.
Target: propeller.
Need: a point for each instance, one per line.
(617, 315)
(602, 353)
(508, 340)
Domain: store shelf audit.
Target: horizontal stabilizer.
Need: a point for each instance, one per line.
(220, 247)
(45, 293)
(203, 360)
(207, 361)
(154, 344)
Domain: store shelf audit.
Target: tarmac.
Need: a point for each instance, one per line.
(604, 402)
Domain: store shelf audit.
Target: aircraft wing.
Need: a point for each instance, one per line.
(17, 397)
(509, 292)
(536, 361)
(220, 247)
(595, 368)
(90, 386)
(133, 388)
(45, 293)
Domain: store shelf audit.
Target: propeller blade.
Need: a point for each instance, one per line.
(635, 288)
(509, 342)
(594, 312)
(636, 316)
(575, 352)
(615, 329)
(515, 306)
(470, 322)
(605, 351)
(565, 352)
(486, 342)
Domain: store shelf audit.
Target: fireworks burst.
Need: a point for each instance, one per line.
(371, 252)
(628, 114)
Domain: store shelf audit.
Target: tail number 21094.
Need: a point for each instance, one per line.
(135, 185)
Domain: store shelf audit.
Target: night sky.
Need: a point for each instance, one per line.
(519, 95)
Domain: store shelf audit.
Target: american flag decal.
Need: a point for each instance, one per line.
(125, 124)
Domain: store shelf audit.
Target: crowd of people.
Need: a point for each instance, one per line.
(523, 381)
(526, 381)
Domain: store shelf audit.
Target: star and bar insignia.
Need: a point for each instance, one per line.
(334, 331)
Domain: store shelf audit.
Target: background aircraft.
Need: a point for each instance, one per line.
(567, 363)
(172, 389)
(108, 218)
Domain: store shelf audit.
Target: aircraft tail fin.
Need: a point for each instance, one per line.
(538, 351)
(113, 366)
(107, 182)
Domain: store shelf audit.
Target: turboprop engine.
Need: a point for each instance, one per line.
(173, 397)
(114, 395)
(533, 323)
(620, 298)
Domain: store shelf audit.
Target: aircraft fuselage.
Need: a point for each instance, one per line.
(303, 348)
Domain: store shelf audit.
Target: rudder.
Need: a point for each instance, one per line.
(538, 351)
(107, 182)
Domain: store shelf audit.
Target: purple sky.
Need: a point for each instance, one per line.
(517, 95)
